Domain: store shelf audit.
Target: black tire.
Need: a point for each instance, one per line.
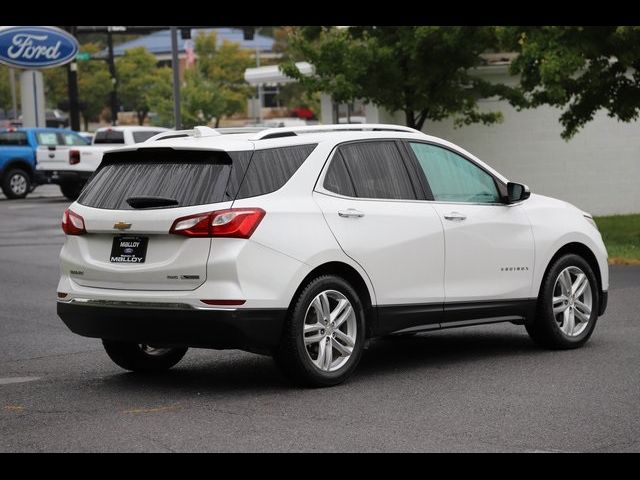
(545, 329)
(132, 356)
(71, 190)
(16, 183)
(292, 356)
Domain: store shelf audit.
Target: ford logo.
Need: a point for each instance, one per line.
(36, 47)
(128, 251)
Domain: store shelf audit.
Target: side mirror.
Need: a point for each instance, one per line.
(516, 192)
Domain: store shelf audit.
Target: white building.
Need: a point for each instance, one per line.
(598, 170)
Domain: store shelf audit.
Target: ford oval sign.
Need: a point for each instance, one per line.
(36, 47)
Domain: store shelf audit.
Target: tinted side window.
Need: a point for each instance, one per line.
(143, 136)
(337, 179)
(13, 138)
(453, 178)
(73, 139)
(377, 170)
(109, 136)
(270, 169)
(48, 139)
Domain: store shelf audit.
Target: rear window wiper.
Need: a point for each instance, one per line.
(150, 202)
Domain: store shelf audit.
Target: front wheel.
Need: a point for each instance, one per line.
(142, 358)
(324, 335)
(567, 308)
(16, 183)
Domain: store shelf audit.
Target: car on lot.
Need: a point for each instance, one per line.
(70, 165)
(304, 243)
(18, 155)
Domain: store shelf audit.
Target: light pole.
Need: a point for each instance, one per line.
(175, 65)
(260, 84)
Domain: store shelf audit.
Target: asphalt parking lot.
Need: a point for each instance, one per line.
(475, 389)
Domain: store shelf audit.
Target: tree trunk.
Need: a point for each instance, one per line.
(410, 118)
(217, 122)
(86, 123)
(141, 116)
(414, 121)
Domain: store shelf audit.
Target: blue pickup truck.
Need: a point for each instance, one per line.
(18, 155)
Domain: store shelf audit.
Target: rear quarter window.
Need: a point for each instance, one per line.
(271, 168)
(14, 139)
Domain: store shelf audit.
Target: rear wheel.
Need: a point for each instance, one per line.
(142, 358)
(567, 308)
(16, 183)
(324, 334)
(71, 190)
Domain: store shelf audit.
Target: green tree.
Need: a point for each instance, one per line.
(6, 102)
(139, 80)
(422, 71)
(582, 69)
(94, 85)
(215, 87)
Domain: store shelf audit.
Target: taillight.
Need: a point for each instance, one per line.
(230, 223)
(72, 223)
(74, 157)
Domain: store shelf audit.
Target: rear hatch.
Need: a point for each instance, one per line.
(128, 209)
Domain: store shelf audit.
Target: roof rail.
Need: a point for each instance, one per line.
(289, 131)
(194, 132)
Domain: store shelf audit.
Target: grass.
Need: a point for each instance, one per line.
(621, 235)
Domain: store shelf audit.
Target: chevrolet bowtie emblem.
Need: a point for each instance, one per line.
(122, 226)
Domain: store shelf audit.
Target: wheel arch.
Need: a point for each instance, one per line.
(20, 163)
(581, 250)
(355, 279)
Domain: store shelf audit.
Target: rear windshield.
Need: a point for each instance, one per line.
(190, 177)
(109, 136)
(195, 178)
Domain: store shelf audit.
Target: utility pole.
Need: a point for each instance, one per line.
(114, 80)
(175, 65)
(72, 89)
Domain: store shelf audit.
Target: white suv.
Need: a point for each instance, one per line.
(305, 242)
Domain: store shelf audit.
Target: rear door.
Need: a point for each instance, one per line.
(131, 248)
(380, 219)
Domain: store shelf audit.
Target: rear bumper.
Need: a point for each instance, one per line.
(254, 330)
(57, 177)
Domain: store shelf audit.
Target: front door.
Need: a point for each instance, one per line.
(489, 245)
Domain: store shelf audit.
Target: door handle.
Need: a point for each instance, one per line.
(455, 217)
(350, 213)
(51, 155)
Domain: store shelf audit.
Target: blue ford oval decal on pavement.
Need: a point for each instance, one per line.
(36, 47)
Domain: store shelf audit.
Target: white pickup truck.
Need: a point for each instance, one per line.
(70, 166)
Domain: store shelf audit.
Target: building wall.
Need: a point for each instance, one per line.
(598, 170)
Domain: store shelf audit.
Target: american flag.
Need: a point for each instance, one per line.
(191, 56)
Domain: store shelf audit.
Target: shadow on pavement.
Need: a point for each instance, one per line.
(385, 357)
